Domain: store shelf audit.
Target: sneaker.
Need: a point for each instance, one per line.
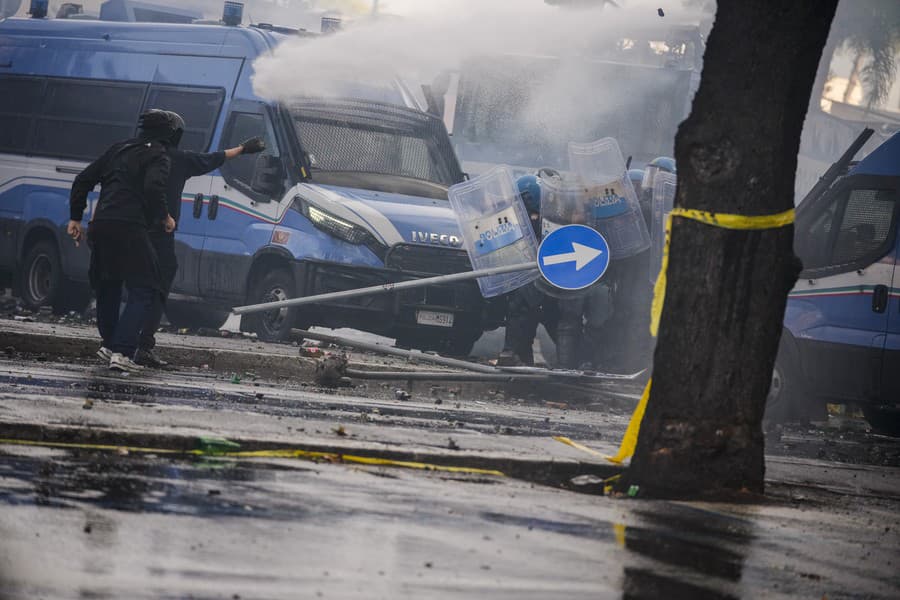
(149, 358)
(104, 353)
(118, 362)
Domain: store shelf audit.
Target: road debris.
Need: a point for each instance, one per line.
(331, 371)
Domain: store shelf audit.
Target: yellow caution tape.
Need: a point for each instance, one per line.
(609, 482)
(626, 448)
(284, 453)
(619, 533)
(726, 221)
(77, 446)
(363, 460)
(575, 444)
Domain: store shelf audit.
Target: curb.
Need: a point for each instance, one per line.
(551, 471)
(276, 365)
(270, 365)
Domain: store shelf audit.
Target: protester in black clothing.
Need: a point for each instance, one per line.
(184, 165)
(133, 175)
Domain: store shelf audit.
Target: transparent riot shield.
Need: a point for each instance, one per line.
(495, 228)
(613, 204)
(564, 201)
(663, 201)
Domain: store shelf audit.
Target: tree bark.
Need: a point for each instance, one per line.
(727, 289)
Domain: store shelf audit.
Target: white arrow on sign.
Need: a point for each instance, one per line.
(581, 255)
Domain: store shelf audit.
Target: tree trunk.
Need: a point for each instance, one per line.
(727, 289)
(823, 71)
(853, 78)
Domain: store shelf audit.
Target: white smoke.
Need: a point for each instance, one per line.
(553, 49)
(435, 35)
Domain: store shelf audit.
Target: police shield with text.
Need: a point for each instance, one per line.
(599, 194)
(528, 306)
(495, 228)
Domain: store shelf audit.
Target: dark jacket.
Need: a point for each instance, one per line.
(133, 176)
(187, 164)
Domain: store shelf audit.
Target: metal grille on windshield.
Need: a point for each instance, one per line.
(368, 137)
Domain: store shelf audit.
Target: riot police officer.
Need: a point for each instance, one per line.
(133, 175)
(184, 165)
(528, 306)
(627, 343)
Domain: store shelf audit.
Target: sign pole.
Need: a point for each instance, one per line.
(384, 288)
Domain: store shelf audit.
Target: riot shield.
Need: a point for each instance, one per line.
(495, 228)
(663, 200)
(564, 201)
(613, 204)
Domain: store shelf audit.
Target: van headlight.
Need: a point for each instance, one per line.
(339, 228)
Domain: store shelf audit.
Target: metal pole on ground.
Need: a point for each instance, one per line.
(384, 288)
(391, 351)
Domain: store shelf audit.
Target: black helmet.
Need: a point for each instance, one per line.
(162, 125)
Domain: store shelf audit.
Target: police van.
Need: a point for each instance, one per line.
(350, 191)
(841, 338)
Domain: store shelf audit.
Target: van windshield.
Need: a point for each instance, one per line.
(387, 142)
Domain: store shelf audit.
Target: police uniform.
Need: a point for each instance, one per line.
(528, 307)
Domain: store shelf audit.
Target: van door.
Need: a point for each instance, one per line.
(847, 243)
(890, 387)
(239, 219)
(199, 106)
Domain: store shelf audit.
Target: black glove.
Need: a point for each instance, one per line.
(253, 145)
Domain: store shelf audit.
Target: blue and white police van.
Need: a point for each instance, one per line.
(841, 338)
(350, 192)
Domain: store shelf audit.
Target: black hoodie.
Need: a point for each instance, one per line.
(133, 175)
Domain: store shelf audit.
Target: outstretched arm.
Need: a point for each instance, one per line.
(200, 163)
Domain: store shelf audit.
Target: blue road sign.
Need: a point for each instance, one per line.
(573, 257)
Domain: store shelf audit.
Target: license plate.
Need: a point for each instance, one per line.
(430, 317)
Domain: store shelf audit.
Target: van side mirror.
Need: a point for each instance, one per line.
(268, 175)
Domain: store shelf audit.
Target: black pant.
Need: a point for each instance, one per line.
(528, 307)
(164, 244)
(121, 254)
(627, 346)
(120, 332)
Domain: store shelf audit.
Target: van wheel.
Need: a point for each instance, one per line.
(883, 419)
(192, 316)
(41, 275)
(274, 325)
(74, 296)
(788, 399)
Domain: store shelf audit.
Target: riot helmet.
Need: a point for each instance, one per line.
(530, 190)
(161, 125)
(659, 164)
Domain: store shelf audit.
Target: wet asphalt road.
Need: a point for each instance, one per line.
(87, 524)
